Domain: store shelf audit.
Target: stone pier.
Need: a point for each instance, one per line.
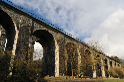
(94, 72)
(102, 68)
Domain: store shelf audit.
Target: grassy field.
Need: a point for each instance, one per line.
(60, 79)
(113, 80)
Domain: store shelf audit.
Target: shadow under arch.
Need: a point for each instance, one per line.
(106, 67)
(98, 66)
(46, 39)
(71, 58)
(111, 63)
(7, 23)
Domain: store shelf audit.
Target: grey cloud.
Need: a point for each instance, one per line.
(110, 34)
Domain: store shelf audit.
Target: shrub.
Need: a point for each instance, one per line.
(117, 72)
(113, 73)
(23, 70)
(27, 71)
(4, 65)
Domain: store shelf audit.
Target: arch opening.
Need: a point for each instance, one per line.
(98, 71)
(72, 59)
(8, 30)
(47, 41)
(106, 68)
(98, 66)
(8, 36)
(111, 63)
(87, 63)
(106, 61)
(38, 51)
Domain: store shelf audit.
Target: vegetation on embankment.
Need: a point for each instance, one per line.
(23, 70)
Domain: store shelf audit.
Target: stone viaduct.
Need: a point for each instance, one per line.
(22, 29)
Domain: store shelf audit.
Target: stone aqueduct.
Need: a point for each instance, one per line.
(22, 30)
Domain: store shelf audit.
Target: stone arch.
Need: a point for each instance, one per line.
(11, 34)
(71, 58)
(98, 66)
(10, 27)
(106, 67)
(50, 52)
(88, 57)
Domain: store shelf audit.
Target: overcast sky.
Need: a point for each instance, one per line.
(100, 20)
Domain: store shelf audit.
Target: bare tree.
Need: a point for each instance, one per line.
(96, 45)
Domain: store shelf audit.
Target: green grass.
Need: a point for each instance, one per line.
(113, 80)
